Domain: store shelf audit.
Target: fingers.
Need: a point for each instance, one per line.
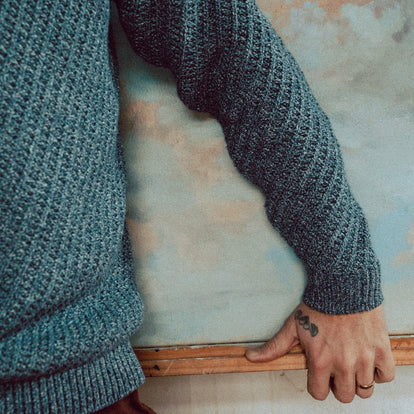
(374, 367)
(364, 388)
(319, 374)
(343, 386)
(386, 375)
(345, 353)
(347, 376)
(276, 347)
(325, 374)
(385, 366)
(364, 378)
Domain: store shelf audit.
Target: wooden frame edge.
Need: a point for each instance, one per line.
(217, 359)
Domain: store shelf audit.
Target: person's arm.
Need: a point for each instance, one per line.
(228, 61)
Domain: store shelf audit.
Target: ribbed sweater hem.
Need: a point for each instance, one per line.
(340, 296)
(84, 389)
(346, 301)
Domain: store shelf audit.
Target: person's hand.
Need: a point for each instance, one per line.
(345, 353)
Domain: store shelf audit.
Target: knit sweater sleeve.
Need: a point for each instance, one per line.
(228, 61)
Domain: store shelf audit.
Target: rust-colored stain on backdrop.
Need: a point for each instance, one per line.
(281, 10)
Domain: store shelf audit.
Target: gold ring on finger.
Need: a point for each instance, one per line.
(366, 387)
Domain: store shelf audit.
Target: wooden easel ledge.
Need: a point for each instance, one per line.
(217, 359)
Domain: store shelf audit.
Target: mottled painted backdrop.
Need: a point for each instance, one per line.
(208, 264)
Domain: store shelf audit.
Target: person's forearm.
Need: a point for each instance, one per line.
(229, 61)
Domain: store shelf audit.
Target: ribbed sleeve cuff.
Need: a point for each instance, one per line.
(345, 292)
(85, 389)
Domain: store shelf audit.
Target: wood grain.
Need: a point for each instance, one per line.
(217, 359)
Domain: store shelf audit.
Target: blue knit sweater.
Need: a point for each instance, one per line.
(68, 299)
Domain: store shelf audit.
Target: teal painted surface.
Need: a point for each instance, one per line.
(209, 266)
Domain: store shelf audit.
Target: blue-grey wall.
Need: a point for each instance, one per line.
(210, 267)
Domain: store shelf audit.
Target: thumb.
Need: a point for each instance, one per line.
(276, 347)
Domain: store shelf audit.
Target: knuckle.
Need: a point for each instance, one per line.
(391, 375)
(383, 352)
(317, 394)
(367, 357)
(345, 398)
(367, 367)
(387, 378)
(269, 346)
(380, 353)
(320, 363)
(346, 365)
(365, 395)
(346, 369)
(344, 394)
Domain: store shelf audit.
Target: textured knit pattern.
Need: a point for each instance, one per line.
(68, 296)
(228, 61)
(68, 299)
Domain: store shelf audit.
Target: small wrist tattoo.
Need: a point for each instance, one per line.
(305, 323)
